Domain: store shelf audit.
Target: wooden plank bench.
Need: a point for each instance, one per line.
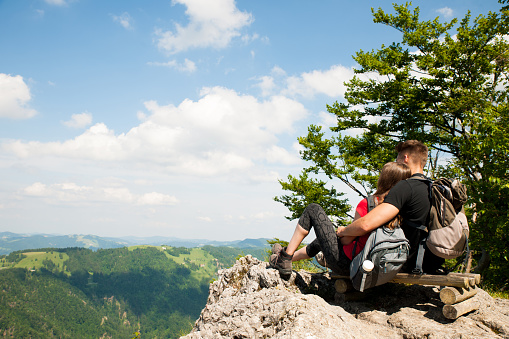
(457, 292)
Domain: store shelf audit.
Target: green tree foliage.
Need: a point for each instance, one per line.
(113, 293)
(15, 257)
(226, 256)
(445, 84)
(154, 287)
(309, 190)
(176, 251)
(110, 292)
(41, 305)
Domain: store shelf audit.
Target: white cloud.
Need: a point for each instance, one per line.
(37, 189)
(446, 12)
(277, 71)
(267, 84)
(79, 120)
(221, 133)
(155, 198)
(269, 177)
(246, 38)
(97, 143)
(263, 215)
(329, 82)
(308, 84)
(327, 119)
(69, 192)
(277, 154)
(186, 66)
(14, 98)
(206, 219)
(211, 24)
(124, 20)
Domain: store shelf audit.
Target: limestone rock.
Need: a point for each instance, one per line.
(250, 300)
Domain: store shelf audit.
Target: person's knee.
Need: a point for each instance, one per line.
(313, 208)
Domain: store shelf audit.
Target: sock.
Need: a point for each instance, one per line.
(284, 254)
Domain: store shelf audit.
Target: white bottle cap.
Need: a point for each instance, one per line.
(367, 266)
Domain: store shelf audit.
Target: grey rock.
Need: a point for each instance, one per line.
(251, 300)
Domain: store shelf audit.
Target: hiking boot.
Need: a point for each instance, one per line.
(320, 258)
(282, 262)
(276, 248)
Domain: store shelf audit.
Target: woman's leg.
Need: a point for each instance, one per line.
(314, 216)
(307, 252)
(313, 248)
(300, 254)
(298, 235)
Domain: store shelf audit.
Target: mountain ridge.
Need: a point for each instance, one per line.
(11, 242)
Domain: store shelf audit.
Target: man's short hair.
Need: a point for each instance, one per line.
(415, 150)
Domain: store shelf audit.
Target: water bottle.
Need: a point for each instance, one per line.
(367, 267)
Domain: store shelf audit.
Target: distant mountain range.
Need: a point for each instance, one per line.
(10, 242)
(176, 242)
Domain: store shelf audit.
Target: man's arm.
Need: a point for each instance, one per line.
(374, 219)
(345, 240)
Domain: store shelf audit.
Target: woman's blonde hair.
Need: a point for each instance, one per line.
(390, 175)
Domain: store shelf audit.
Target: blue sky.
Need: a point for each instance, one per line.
(172, 118)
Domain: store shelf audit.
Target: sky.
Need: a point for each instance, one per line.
(171, 118)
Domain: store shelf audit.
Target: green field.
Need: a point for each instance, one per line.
(200, 262)
(34, 260)
(37, 260)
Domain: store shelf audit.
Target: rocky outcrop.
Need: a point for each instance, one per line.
(250, 300)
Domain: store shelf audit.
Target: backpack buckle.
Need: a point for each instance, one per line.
(417, 271)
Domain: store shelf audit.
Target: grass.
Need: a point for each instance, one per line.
(499, 294)
(198, 257)
(34, 260)
(495, 292)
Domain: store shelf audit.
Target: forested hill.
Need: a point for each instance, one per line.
(78, 293)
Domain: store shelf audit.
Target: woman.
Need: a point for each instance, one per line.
(337, 254)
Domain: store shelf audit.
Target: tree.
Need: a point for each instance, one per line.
(446, 90)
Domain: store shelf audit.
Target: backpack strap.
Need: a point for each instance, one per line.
(467, 250)
(371, 202)
(371, 205)
(427, 180)
(420, 257)
(422, 243)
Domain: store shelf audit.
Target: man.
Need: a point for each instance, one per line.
(410, 199)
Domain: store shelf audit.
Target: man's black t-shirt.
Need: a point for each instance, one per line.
(411, 198)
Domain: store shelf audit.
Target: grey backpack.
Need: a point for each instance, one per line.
(386, 249)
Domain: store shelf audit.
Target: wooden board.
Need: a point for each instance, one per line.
(457, 280)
